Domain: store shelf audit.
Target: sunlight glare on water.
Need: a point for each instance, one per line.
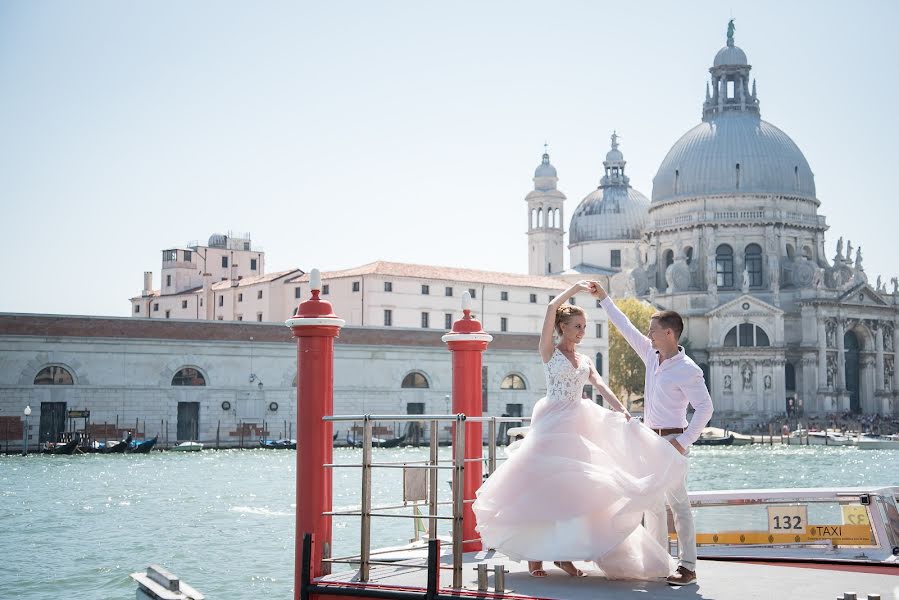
(76, 526)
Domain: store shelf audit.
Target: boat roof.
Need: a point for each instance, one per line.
(822, 492)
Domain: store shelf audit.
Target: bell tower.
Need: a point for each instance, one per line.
(545, 218)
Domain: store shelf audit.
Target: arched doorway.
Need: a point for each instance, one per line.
(851, 347)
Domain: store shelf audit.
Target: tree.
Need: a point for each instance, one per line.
(627, 372)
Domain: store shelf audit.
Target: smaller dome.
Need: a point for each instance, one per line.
(730, 55)
(615, 212)
(614, 155)
(544, 169)
(218, 240)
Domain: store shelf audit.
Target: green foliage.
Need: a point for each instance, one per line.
(626, 370)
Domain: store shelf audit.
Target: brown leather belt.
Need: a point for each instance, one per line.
(669, 430)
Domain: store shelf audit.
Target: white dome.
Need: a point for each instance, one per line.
(730, 55)
(610, 213)
(704, 161)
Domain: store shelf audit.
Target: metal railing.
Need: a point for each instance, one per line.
(433, 466)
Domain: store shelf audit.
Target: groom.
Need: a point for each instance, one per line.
(672, 381)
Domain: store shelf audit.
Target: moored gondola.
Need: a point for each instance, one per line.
(278, 444)
(66, 448)
(726, 440)
(142, 447)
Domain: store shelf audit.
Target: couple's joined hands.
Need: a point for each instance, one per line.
(594, 288)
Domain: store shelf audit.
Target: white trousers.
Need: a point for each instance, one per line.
(657, 522)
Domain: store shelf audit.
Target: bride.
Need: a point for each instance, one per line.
(576, 487)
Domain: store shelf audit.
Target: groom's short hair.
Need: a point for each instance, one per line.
(670, 319)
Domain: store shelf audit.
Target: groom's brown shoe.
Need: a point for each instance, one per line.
(683, 576)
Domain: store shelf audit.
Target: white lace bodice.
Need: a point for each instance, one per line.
(564, 383)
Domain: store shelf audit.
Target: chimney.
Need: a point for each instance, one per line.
(148, 283)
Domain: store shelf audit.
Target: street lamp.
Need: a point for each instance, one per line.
(25, 431)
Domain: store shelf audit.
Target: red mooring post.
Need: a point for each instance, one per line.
(467, 341)
(315, 326)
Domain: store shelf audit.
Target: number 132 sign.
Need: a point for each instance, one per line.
(787, 519)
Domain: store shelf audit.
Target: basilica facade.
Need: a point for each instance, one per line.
(732, 239)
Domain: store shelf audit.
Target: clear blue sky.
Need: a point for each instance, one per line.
(338, 133)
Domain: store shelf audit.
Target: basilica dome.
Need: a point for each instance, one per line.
(733, 151)
(614, 211)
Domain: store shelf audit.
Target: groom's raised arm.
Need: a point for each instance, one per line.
(639, 342)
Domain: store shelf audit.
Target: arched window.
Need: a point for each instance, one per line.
(598, 362)
(791, 253)
(724, 266)
(539, 217)
(188, 376)
(689, 254)
(669, 258)
(746, 335)
(54, 375)
(533, 218)
(513, 381)
(807, 252)
(415, 380)
(752, 258)
(550, 218)
(789, 376)
(558, 218)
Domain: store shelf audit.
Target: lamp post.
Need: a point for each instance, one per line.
(25, 431)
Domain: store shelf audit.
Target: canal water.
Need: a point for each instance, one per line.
(75, 526)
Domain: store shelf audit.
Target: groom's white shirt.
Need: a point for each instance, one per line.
(669, 386)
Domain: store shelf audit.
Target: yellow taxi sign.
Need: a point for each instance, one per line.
(855, 514)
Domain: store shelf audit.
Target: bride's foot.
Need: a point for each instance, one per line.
(535, 568)
(569, 568)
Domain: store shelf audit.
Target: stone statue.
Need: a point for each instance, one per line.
(895, 282)
(746, 373)
(879, 286)
(767, 382)
(858, 259)
(727, 383)
(839, 255)
(745, 287)
(888, 372)
(831, 370)
(818, 278)
(849, 251)
(831, 330)
(730, 32)
(887, 338)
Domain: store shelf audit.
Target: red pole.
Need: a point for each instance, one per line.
(315, 326)
(467, 341)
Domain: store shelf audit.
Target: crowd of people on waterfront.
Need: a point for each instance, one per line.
(842, 422)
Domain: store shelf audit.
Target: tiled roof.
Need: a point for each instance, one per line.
(219, 285)
(61, 326)
(225, 284)
(450, 274)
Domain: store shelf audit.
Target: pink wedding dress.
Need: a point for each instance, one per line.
(576, 487)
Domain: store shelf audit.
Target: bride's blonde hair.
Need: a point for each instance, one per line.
(565, 313)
